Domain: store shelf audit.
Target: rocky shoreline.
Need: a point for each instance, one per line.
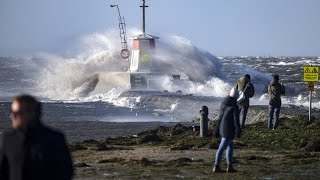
(175, 152)
(167, 150)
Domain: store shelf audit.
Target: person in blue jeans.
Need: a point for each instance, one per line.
(228, 125)
(244, 85)
(275, 90)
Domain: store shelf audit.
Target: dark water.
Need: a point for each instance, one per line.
(98, 120)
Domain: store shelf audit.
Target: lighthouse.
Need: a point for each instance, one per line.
(143, 73)
(143, 48)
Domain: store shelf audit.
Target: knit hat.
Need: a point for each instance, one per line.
(234, 93)
(247, 76)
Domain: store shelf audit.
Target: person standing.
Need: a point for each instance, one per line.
(244, 85)
(228, 125)
(275, 90)
(32, 151)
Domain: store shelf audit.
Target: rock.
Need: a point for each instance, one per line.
(94, 145)
(142, 162)
(148, 132)
(311, 146)
(112, 160)
(99, 147)
(79, 165)
(162, 131)
(213, 145)
(253, 158)
(181, 160)
(303, 143)
(178, 129)
(180, 145)
(149, 138)
(76, 147)
(90, 141)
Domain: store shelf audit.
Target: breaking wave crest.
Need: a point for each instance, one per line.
(77, 77)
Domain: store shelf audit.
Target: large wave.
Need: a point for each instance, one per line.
(70, 78)
(76, 76)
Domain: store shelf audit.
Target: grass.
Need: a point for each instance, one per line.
(289, 136)
(290, 152)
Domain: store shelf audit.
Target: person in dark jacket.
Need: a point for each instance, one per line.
(229, 125)
(245, 85)
(275, 90)
(32, 151)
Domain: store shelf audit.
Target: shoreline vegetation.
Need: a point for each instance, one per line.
(177, 151)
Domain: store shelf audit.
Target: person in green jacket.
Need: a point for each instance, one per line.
(244, 85)
(275, 90)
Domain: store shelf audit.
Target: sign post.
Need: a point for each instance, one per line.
(310, 75)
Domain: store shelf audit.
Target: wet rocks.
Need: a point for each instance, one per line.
(141, 162)
(94, 145)
(88, 145)
(149, 138)
(181, 160)
(98, 147)
(256, 158)
(111, 160)
(178, 129)
(81, 165)
(76, 147)
(181, 146)
(310, 146)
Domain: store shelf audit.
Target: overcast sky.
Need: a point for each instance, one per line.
(223, 27)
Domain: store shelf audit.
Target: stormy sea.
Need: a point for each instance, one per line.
(64, 82)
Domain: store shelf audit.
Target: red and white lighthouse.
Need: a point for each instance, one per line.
(142, 49)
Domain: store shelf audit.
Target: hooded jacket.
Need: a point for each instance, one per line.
(249, 93)
(275, 89)
(228, 121)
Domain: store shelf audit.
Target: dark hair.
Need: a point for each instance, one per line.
(30, 104)
(247, 76)
(276, 77)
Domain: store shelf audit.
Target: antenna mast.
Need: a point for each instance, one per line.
(144, 16)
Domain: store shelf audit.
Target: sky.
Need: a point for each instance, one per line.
(222, 27)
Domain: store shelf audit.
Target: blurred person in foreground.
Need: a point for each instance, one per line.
(275, 90)
(32, 151)
(228, 125)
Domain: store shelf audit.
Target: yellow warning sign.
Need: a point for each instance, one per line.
(311, 73)
(146, 58)
(310, 86)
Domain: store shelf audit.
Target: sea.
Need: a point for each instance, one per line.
(59, 81)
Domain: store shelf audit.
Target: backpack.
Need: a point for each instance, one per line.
(242, 95)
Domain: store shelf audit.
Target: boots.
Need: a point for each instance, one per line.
(230, 169)
(217, 169)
